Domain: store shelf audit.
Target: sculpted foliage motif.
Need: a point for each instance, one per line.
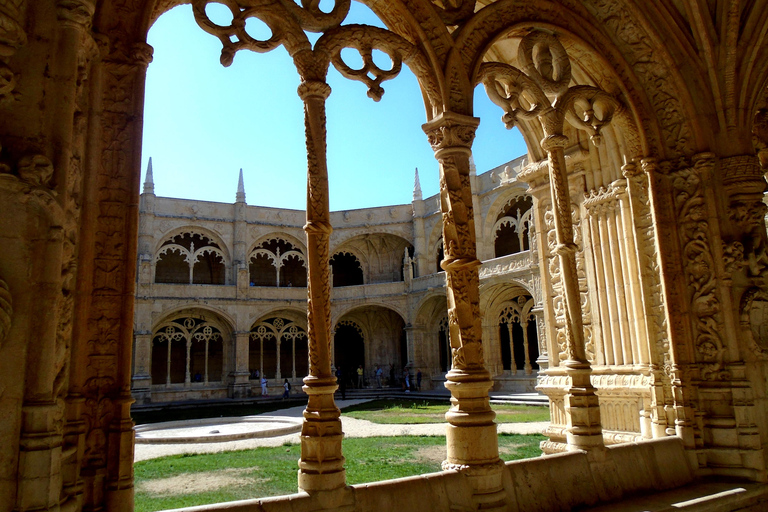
(699, 266)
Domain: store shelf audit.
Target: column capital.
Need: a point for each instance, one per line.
(551, 142)
(77, 13)
(451, 130)
(314, 89)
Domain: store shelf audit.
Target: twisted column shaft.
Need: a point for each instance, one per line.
(584, 428)
(321, 466)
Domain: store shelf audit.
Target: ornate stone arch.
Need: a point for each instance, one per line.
(206, 261)
(358, 258)
(282, 337)
(283, 257)
(618, 44)
(190, 346)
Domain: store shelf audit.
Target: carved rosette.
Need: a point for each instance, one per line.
(6, 310)
(699, 266)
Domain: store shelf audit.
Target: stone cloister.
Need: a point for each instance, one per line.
(647, 132)
(242, 268)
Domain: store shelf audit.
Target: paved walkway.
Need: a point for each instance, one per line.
(352, 428)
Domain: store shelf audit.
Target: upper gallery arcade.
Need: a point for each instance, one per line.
(647, 133)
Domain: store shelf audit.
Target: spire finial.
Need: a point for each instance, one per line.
(240, 196)
(149, 180)
(472, 166)
(416, 187)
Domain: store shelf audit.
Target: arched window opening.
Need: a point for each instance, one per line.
(262, 271)
(293, 271)
(347, 270)
(512, 228)
(518, 338)
(278, 350)
(444, 346)
(187, 350)
(276, 262)
(172, 267)
(349, 349)
(189, 258)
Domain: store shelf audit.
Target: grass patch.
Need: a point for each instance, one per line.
(432, 411)
(189, 480)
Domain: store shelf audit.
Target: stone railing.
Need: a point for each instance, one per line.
(580, 481)
(368, 290)
(509, 264)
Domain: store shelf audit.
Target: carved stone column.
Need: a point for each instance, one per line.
(471, 431)
(240, 384)
(321, 466)
(581, 402)
(541, 335)
(142, 380)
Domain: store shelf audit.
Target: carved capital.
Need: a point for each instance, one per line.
(76, 12)
(6, 310)
(451, 131)
(742, 174)
(142, 53)
(314, 89)
(552, 142)
(36, 170)
(630, 170)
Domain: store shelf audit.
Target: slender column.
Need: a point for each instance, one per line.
(261, 357)
(240, 375)
(293, 357)
(205, 379)
(278, 342)
(527, 366)
(321, 466)
(584, 429)
(471, 431)
(543, 359)
(512, 362)
(168, 364)
(187, 377)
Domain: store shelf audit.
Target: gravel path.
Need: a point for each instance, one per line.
(352, 428)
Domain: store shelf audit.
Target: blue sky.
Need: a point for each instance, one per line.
(203, 122)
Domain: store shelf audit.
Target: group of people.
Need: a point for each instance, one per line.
(264, 384)
(406, 381)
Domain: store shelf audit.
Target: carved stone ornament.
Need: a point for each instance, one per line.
(6, 310)
(36, 170)
(754, 320)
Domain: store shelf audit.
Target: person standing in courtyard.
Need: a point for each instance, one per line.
(342, 384)
(378, 376)
(360, 377)
(286, 389)
(406, 380)
(264, 386)
(418, 380)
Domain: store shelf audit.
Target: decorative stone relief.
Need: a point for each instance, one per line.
(699, 267)
(6, 310)
(754, 320)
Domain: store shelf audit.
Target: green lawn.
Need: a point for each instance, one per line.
(432, 411)
(189, 480)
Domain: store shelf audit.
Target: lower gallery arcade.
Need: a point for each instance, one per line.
(647, 132)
